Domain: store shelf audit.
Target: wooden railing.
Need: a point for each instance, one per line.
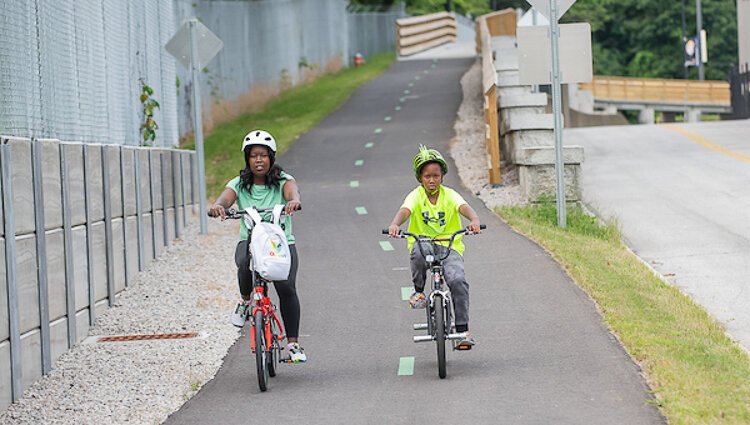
(420, 33)
(629, 89)
(502, 23)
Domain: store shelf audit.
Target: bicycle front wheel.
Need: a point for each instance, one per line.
(260, 350)
(439, 309)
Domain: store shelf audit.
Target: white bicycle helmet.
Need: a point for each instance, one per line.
(259, 137)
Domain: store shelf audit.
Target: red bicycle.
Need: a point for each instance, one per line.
(265, 326)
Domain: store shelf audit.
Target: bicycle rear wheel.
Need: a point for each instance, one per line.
(439, 309)
(261, 364)
(273, 349)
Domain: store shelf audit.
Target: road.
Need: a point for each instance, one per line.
(681, 194)
(543, 355)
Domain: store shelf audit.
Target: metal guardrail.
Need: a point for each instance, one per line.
(419, 33)
(653, 90)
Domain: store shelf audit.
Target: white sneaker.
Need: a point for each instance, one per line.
(296, 353)
(239, 314)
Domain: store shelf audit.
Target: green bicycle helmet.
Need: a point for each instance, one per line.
(426, 156)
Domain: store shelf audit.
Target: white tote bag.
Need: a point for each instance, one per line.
(269, 247)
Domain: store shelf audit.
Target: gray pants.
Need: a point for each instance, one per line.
(453, 268)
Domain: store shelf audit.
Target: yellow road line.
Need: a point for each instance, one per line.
(708, 143)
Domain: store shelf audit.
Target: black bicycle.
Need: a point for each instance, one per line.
(439, 326)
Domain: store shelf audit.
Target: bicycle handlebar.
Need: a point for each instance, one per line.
(421, 238)
(234, 214)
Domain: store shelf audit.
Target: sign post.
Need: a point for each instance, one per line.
(556, 113)
(194, 46)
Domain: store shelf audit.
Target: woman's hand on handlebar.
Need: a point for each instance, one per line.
(218, 211)
(393, 231)
(292, 206)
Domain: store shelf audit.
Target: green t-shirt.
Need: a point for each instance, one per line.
(262, 197)
(439, 220)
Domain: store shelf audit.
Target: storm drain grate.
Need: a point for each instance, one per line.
(124, 338)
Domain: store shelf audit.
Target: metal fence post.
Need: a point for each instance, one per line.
(175, 194)
(89, 238)
(108, 243)
(14, 318)
(153, 204)
(125, 252)
(139, 210)
(182, 187)
(70, 285)
(164, 218)
(41, 254)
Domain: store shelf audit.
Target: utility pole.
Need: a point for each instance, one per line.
(684, 40)
(699, 44)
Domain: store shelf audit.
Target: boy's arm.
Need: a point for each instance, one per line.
(398, 220)
(467, 211)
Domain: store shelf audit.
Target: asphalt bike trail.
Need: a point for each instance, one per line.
(543, 355)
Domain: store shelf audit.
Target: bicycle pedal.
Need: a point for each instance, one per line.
(463, 347)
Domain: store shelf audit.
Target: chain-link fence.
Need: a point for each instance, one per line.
(72, 70)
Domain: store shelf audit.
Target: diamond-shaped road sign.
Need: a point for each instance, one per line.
(208, 45)
(543, 6)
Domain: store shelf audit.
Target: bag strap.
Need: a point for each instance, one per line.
(253, 213)
(277, 209)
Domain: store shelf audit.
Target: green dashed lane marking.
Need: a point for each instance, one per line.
(386, 246)
(368, 145)
(411, 84)
(359, 162)
(361, 210)
(426, 71)
(406, 366)
(433, 66)
(402, 100)
(417, 77)
(378, 130)
(405, 293)
(354, 183)
(387, 119)
(406, 92)
(398, 108)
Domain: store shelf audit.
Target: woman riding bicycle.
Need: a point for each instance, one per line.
(263, 184)
(434, 210)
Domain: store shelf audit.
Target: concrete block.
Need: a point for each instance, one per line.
(4, 313)
(693, 115)
(158, 233)
(148, 238)
(101, 307)
(647, 116)
(530, 122)
(168, 178)
(31, 357)
(536, 180)
(118, 254)
(529, 138)
(180, 224)
(503, 42)
(508, 78)
(58, 338)
(23, 186)
(82, 325)
(513, 90)
(523, 101)
(28, 282)
(170, 224)
(156, 196)
(99, 268)
(145, 179)
(131, 239)
(56, 273)
(80, 267)
(546, 155)
(74, 157)
(6, 383)
(128, 164)
(95, 183)
(508, 116)
(51, 184)
(112, 155)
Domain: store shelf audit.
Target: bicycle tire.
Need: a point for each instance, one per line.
(273, 357)
(260, 351)
(439, 308)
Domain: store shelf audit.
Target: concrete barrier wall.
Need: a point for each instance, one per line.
(78, 222)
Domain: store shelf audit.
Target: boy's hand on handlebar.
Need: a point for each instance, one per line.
(474, 227)
(292, 206)
(218, 211)
(393, 230)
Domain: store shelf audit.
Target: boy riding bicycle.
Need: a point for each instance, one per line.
(433, 210)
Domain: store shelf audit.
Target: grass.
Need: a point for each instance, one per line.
(287, 117)
(697, 373)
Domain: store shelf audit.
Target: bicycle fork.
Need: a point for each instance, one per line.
(431, 306)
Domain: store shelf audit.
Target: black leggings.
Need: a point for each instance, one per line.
(284, 288)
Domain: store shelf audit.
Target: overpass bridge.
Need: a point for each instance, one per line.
(649, 95)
